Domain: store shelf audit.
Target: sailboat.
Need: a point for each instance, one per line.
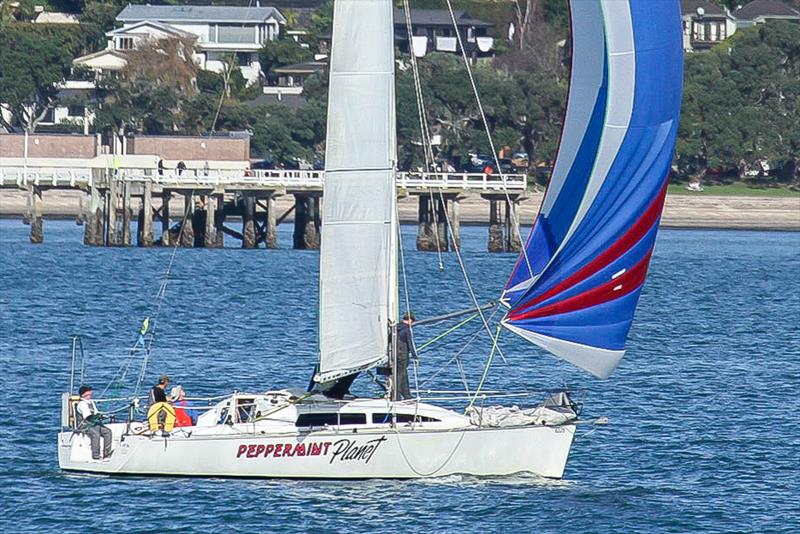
(573, 290)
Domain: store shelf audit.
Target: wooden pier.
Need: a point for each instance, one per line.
(197, 209)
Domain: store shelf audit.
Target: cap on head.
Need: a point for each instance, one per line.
(176, 391)
(84, 389)
(163, 379)
(409, 316)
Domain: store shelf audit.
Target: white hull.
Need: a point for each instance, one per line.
(371, 453)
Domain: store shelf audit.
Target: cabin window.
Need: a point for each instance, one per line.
(381, 418)
(385, 418)
(245, 410)
(409, 418)
(352, 419)
(317, 419)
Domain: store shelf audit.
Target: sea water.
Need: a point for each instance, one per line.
(702, 435)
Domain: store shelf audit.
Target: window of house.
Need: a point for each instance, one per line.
(49, 117)
(243, 59)
(234, 33)
(76, 110)
(125, 43)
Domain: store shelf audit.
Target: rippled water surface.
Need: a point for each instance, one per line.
(702, 434)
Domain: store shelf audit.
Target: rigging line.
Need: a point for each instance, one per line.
(457, 356)
(467, 281)
(423, 128)
(160, 297)
(447, 332)
(486, 369)
(405, 290)
(513, 217)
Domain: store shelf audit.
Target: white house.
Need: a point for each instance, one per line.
(705, 24)
(220, 30)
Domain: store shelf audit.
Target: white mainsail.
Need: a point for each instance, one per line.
(358, 258)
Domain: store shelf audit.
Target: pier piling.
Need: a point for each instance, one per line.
(503, 233)
(248, 203)
(127, 213)
(432, 231)
(271, 228)
(219, 220)
(145, 226)
(35, 214)
(209, 234)
(93, 227)
(166, 240)
(111, 214)
(307, 222)
(187, 223)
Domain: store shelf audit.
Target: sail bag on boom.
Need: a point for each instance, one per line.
(575, 288)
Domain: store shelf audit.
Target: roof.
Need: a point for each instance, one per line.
(99, 53)
(302, 68)
(54, 17)
(438, 17)
(166, 28)
(239, 14)
(690, 7)
(766, 9)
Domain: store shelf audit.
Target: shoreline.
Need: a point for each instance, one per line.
(680, 211)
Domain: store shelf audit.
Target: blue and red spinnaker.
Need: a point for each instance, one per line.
(575, 288)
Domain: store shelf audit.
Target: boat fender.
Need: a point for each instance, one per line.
(161, 416)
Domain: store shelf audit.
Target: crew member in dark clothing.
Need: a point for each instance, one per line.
(159, 391)
(405, 347)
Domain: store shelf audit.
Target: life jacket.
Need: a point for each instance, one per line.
(182, 418)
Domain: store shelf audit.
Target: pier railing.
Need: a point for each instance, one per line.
(68, 178)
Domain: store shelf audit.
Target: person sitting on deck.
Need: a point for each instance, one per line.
(159, 391)
(184, 416)
(89, 421)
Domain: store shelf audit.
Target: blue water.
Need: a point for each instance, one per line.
(702, 436)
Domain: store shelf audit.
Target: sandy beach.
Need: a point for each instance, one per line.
(681, 211)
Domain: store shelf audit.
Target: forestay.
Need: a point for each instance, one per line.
(589, 250)
(358, 260)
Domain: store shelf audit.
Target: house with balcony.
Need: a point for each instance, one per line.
(220, 31)
(705, 24)
(432, 31)
(761, 11)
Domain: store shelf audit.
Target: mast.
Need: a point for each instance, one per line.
(358, 257)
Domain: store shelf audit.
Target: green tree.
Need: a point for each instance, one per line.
(35, 58)
(741, 105)
(97, 18)
(150, 94)
(282, 52)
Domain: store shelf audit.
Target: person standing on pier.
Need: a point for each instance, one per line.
(405, 347)
(89, 421)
